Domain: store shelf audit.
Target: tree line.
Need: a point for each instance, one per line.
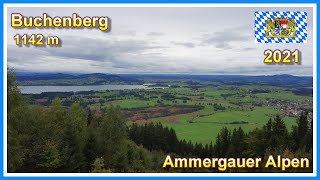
(272, 139)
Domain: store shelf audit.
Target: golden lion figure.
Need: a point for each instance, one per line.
(270, 28)
(292, 27)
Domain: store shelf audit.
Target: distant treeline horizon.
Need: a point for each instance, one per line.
(24, 73)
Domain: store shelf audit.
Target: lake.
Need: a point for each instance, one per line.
(41, 89)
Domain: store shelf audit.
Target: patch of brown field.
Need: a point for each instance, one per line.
(141, 121)
(172, 119)
(158, 111)
(196, 98)
(41, 100)
(158, 108)
(215, 100)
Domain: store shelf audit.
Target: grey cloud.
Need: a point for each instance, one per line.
(126, 55)
(185, 44)
(247, 48)
(99, 49)
(26, 53)
(223, 39)
(222, 45)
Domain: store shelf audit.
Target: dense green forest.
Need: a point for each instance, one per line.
(56, 138)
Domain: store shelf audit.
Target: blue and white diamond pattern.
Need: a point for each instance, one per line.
(261, 20)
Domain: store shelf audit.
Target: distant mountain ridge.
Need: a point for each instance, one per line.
(49, 76)
(282, 80)
(38, 79)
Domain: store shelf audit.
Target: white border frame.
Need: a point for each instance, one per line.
(258, 5)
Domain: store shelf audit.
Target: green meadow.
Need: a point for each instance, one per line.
(247, 106)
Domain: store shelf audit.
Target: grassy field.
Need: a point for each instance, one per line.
(205, 129)
(241, 106)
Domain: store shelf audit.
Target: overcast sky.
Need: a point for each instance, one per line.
(157, 40)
